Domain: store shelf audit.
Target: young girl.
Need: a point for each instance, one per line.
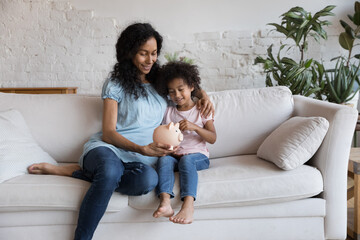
(181, 79)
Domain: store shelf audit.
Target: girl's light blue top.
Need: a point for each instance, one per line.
(136, 121)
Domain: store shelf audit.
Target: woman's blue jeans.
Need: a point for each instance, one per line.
(187, 165)
(107, 174)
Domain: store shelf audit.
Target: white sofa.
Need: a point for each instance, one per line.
(239, 197)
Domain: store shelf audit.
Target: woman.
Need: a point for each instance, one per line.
(120, 158)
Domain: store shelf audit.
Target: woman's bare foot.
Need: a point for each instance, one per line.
(185, 215)
(47, 168)
(164, 209)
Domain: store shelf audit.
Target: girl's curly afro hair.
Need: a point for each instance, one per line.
(177, 69)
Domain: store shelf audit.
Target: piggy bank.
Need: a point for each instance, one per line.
(168, 134)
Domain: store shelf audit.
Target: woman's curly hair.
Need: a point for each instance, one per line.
(128, 44)
(177, 69)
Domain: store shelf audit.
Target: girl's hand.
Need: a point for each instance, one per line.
(186, 125)
(157, 150)
(206, 107)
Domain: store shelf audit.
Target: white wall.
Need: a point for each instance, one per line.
(53, 43)
(180, 19)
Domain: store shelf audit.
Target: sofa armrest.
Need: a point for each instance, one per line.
(332, 158)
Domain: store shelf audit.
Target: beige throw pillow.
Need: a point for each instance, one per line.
(18, 149)
(294, 142)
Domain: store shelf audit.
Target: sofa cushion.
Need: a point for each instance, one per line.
(18, 149)
(47, 192)
(245, 117)
(294, 142)
(244, 180)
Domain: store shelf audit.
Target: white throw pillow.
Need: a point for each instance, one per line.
(18, 149)
(294, 142)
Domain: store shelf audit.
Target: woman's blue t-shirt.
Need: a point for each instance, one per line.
(136, 121)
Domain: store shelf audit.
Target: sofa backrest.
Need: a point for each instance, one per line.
(245, 117)
(61, 124)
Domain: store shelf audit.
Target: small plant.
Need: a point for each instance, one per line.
(340, 82)
(175, 57)
(305, 75)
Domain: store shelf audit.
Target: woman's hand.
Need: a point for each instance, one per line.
(157, 149)
(206, 107)
(204, 104)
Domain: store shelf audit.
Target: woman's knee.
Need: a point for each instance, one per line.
(108, 169)
(149, 179)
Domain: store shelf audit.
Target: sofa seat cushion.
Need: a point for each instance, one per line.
(48, 192)
(244, 180)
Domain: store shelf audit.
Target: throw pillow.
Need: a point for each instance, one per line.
(18, 149)
(294, 142)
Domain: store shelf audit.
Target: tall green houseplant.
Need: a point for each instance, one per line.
(303, 76)
(341, 80)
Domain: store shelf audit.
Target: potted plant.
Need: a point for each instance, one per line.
(175, 57)
(303, 76)
(342, 82)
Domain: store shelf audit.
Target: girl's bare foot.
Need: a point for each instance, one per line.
(185, 215)
(47, 168)
(164, 209)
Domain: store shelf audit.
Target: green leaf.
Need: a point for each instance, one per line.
(328, 8)
(259, 60)
(349, 89)
(294, 86)
(346, 41)
(324, 14)
(304, 23)
(350, 32)
(350, 17)
(325, 23)
(320, 68)
(344, 24)
(357, 6)
(268, 64)
(356, 18)
(357, 56)
(268, 81)
(308, 63)
(315, 36)
(292, 15)
(299, 10)
(276, 77)
(288, 61)
(279, 28)
(269, 52)
(299, 36)
(331, 90)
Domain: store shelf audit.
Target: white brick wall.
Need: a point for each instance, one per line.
(46, 43)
